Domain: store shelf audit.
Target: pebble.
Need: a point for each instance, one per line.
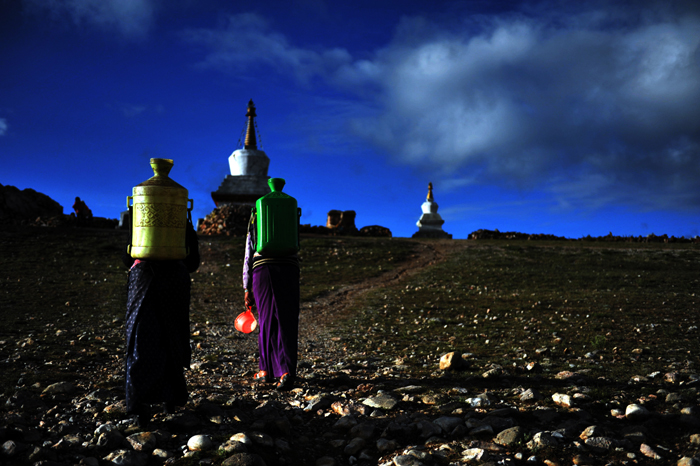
(319, 402)
(9, 448)
(635, 412)
(407, 460)
(384, 445)
(143, 441)
(163, 454)
(325, 461)
(262, 439)
(531, 395)
(510, 436)
(127, 458)
(345, 423)
(59, 387)
(649, 452)
(494, 372)
(542, 440)
(199, 443)
(354, 446)
(448, 424)
(427, 429)
(474, 454)
(243, 459)
(562, 400)
(453, 361)
(242, 438)
(591, 431)
(381, 401)
(481, 430)
(364, 430)
(357, 422)
(599, 445)
(110, 439)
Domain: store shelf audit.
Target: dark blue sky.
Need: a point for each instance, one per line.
(567, 118)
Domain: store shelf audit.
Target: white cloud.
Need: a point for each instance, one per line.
(532, 104)
(247, 41)
(132, 110)
(595, 105)
(3, 126)
(131, 18)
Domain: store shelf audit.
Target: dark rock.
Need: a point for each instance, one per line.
(143, 441)
(10, 448)
(26, 204)
(127, 458)
(510, 436)
(375, 231)
(182, 422)
(498, 423)
(41, 453)
(244, 459)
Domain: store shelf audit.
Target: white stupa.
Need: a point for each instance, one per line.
(430, 223)
(248, 179)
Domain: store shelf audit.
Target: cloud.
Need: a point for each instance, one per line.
(3, 126)
(594, 105)
(131, 110)
(589, 111)
(131, 18)
(247, 42)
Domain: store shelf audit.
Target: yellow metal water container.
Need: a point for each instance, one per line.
(159, 216)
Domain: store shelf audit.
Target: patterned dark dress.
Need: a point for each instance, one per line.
(158, 328)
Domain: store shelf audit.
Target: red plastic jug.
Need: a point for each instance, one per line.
(245, 322)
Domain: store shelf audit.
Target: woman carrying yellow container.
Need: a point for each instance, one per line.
(162, 252)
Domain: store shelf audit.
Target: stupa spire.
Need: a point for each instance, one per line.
(430, 223)
(248, 179)
(250, 141)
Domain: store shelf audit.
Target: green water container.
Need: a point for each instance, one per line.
(277, 222)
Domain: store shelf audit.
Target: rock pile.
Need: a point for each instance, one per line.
(228, 220)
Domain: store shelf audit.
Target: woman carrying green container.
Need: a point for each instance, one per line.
(271, 282)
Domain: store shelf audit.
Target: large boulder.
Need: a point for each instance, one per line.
(375, 230)
(342, 222)
(26, 204)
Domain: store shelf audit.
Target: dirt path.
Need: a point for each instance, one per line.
(322, 313)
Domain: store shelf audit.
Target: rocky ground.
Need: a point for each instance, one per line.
(349, 407)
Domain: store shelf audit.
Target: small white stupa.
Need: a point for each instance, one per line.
(430, 223)
(248, 179)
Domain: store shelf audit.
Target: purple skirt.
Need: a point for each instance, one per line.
(276, 292)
